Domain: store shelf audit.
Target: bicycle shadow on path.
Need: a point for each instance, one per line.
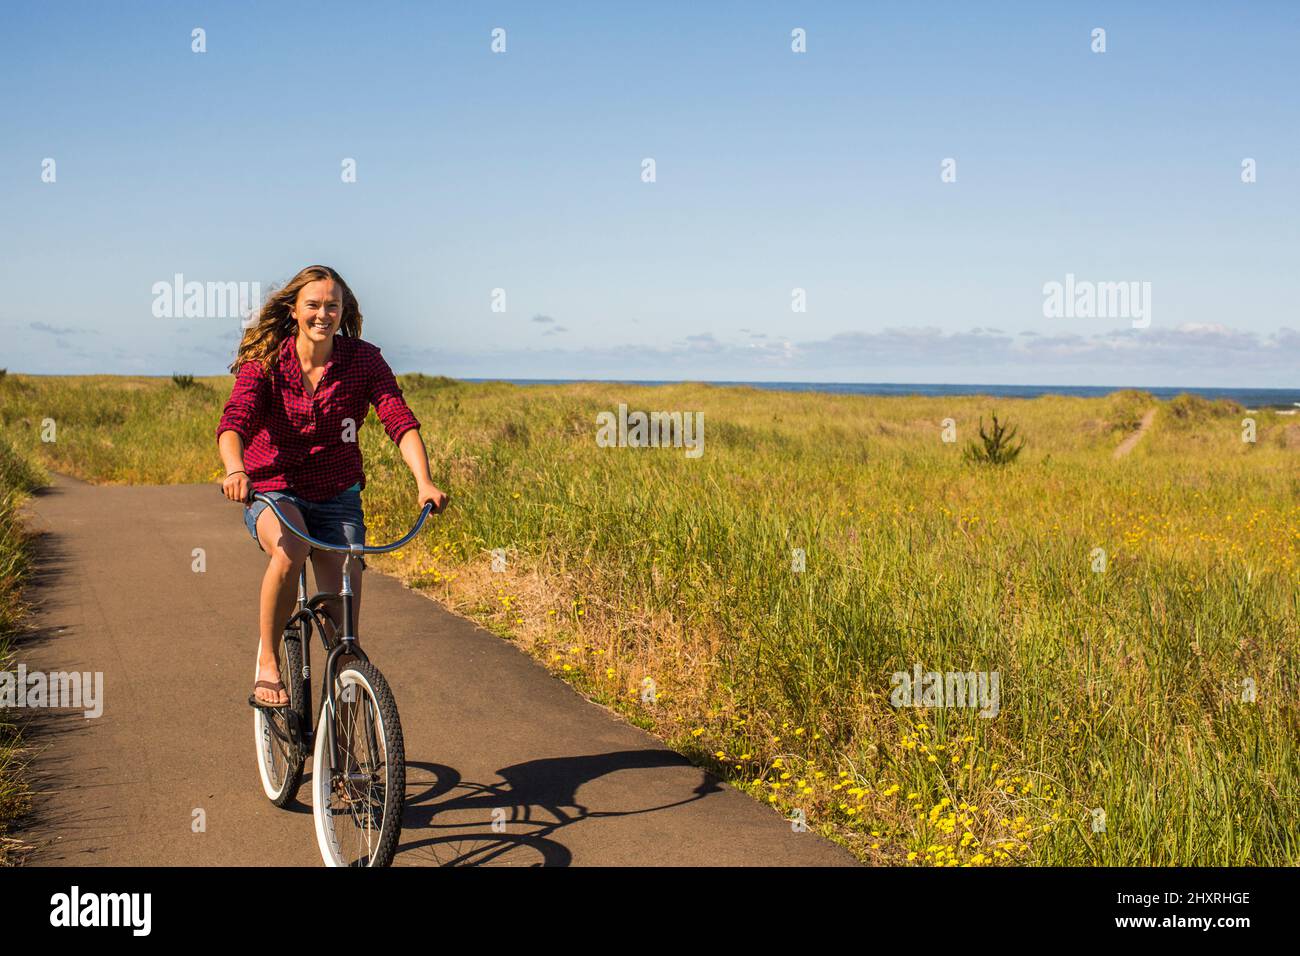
(496, 823)
(510, 822)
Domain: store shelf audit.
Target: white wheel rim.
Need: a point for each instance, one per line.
(264, 740)
(261, 739)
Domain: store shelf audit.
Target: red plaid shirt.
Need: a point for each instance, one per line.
(297, 443)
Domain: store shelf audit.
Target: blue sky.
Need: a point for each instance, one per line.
(774, 171)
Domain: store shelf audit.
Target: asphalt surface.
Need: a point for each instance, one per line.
(486, 728)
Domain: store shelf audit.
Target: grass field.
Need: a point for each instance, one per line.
(17, 479)
(1148, 694)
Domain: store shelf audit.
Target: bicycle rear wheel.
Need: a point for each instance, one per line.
(279, 759)
(358, 805)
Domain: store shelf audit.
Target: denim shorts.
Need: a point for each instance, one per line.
(336, 521)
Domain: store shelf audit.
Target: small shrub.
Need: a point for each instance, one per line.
(1124, 409)
(183, 381)
(994, 448)
(1189, 409)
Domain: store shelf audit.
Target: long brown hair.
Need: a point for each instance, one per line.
(262, 341)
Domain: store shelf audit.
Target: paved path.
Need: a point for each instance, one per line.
(1129, 443)
(485, 726)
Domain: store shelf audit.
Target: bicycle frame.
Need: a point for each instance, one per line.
(309, 614)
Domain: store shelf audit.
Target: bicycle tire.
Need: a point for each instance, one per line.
(280, 763)
(340, 799)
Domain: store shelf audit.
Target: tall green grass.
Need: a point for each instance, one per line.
(1121, 690)
(18, 477)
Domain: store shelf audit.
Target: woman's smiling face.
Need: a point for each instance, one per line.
(319, 310)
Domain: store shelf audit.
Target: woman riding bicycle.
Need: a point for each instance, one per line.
(289, 430)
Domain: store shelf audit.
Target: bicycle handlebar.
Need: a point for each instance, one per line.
(344, 548)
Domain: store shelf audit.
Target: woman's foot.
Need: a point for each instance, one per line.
(267, 688)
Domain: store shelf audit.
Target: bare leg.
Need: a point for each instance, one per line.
(279, 591)
(327, 567)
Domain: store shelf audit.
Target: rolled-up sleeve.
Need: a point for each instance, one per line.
(244, 411)
(386, 395)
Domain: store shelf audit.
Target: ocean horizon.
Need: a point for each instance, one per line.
(1249, 397)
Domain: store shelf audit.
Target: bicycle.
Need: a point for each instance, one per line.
(356, 800)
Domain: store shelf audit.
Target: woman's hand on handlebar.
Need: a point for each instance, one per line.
(235, 487)
(430, 492)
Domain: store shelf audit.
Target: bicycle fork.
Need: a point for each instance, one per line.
(347, 645)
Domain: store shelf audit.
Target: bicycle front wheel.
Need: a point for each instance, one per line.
(357, 804)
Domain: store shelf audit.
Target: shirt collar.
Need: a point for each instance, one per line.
(342, 348)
